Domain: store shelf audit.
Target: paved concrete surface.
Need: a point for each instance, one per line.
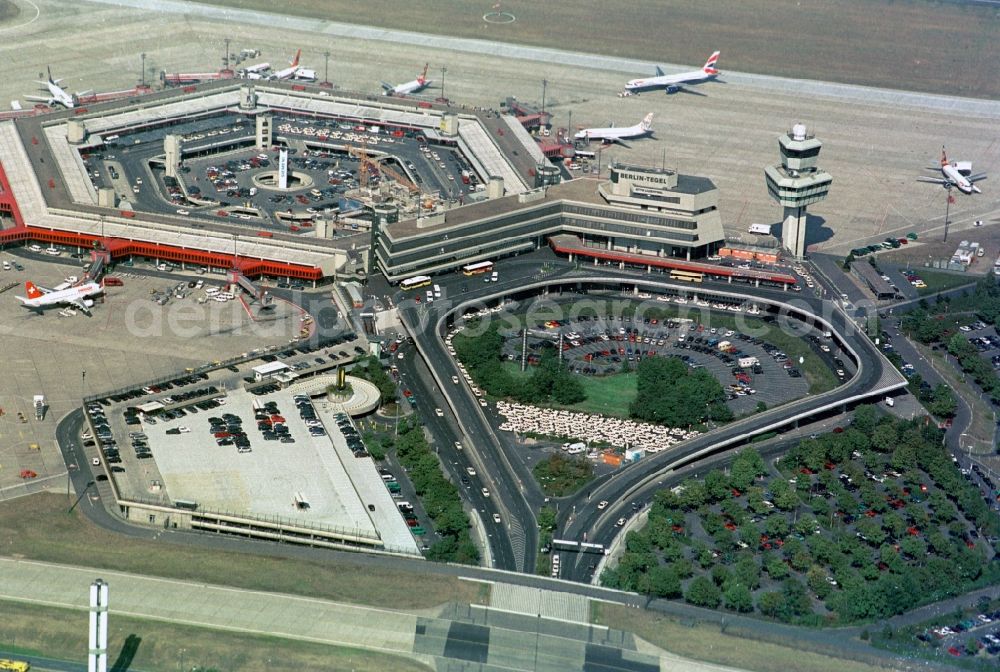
(539, 602)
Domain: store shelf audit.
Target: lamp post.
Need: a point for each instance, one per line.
(225, 61)
(443, 70)
(545, 84)
(142, 73)
(326, 68)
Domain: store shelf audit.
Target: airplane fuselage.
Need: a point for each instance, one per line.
(668, 81)
(961, 182)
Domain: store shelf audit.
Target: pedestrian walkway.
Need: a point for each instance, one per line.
(540, 602)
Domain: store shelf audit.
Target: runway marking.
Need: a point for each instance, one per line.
(30, 21)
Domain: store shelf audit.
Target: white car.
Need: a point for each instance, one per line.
(496, 518)
(96, 461)
(470, 471)
(454, 379)
(486, 492)
(438, 412)
(603, 504)
(458, 445)
(183, 430)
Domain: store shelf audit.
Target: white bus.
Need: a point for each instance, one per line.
(415, 282)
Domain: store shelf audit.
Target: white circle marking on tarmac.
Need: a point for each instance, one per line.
(30, 21)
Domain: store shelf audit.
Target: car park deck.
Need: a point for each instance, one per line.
(310, 482)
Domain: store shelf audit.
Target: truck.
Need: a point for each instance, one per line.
(39, 406)
(762, 229)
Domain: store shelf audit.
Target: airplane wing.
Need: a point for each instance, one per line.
(387, 86)
(933, 180)
(681, 89)
(40, 99)
(79, 304)
(977, 178)
(617, 141)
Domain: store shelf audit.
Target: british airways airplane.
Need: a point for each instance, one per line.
(675, 83)
(956, 174)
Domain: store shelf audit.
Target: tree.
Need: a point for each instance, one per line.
(816, 580)
(865, 419)
(747, 572)
(664, 582)
(775, 566)
(703, 592)
(738, 597)
(884, 437)
(771, 604)
(547, 518)
(747, 466)
(943, 403)
(716, 485)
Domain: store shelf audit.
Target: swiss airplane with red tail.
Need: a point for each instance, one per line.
(77, 296)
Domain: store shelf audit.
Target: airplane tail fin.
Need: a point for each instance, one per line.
(710, 68)
(423, 75)
(32, 291)
(49, 70)
(944, 157)
(295, 61)
(647, 122)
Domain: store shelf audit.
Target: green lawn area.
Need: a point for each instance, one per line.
(940, 281)
(39, 528)
(31, 629)
(606, 395)
(709, 643)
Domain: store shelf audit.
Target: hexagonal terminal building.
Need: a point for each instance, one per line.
(797, 183)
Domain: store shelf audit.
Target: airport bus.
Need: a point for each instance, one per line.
(415, 282)
(477, 268)
(686, 276)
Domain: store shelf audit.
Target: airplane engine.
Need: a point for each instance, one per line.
(671, 89)
(964, 167)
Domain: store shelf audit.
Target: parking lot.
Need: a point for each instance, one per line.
(275, 456)
(220, 174)
(751, 370)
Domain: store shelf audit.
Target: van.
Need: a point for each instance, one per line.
(388, 477)
(211, 291)
(437, 291)
(6, 266)
(889, 401)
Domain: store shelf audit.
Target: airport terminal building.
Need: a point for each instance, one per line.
(652, 212)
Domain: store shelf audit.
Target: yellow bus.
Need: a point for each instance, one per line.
(415, 282)
(687, 276)
(14, 665)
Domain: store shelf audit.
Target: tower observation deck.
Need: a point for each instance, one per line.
(797, 183)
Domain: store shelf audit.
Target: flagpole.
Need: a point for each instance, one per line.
(947, 210)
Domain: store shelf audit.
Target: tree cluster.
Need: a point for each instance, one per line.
(824, 531)
(550, 382)
(670, 393)
(561, 475)
(439, 497)
(371, 370)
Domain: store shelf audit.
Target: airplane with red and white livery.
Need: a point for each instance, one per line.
(415, 86)
(956, 174)
(77, 296)
(294, 70)
(674, 83)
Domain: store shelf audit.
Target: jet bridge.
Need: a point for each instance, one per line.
(99, 258)
(259, 295)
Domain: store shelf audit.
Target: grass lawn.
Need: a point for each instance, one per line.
(38, 528)
(940, 281)
(154, 645)
(795, 38)
(708, 643)
(606, 395)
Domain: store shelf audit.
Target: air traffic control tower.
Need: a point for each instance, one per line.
(796, 183)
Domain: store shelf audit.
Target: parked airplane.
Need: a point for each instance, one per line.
(416, 86)
(674, 83)
(616, 135)
(57, 94)
(258, 71)
(40, 297)
(290, 71)
(955, 174)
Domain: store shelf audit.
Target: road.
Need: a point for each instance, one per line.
(520, 278)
